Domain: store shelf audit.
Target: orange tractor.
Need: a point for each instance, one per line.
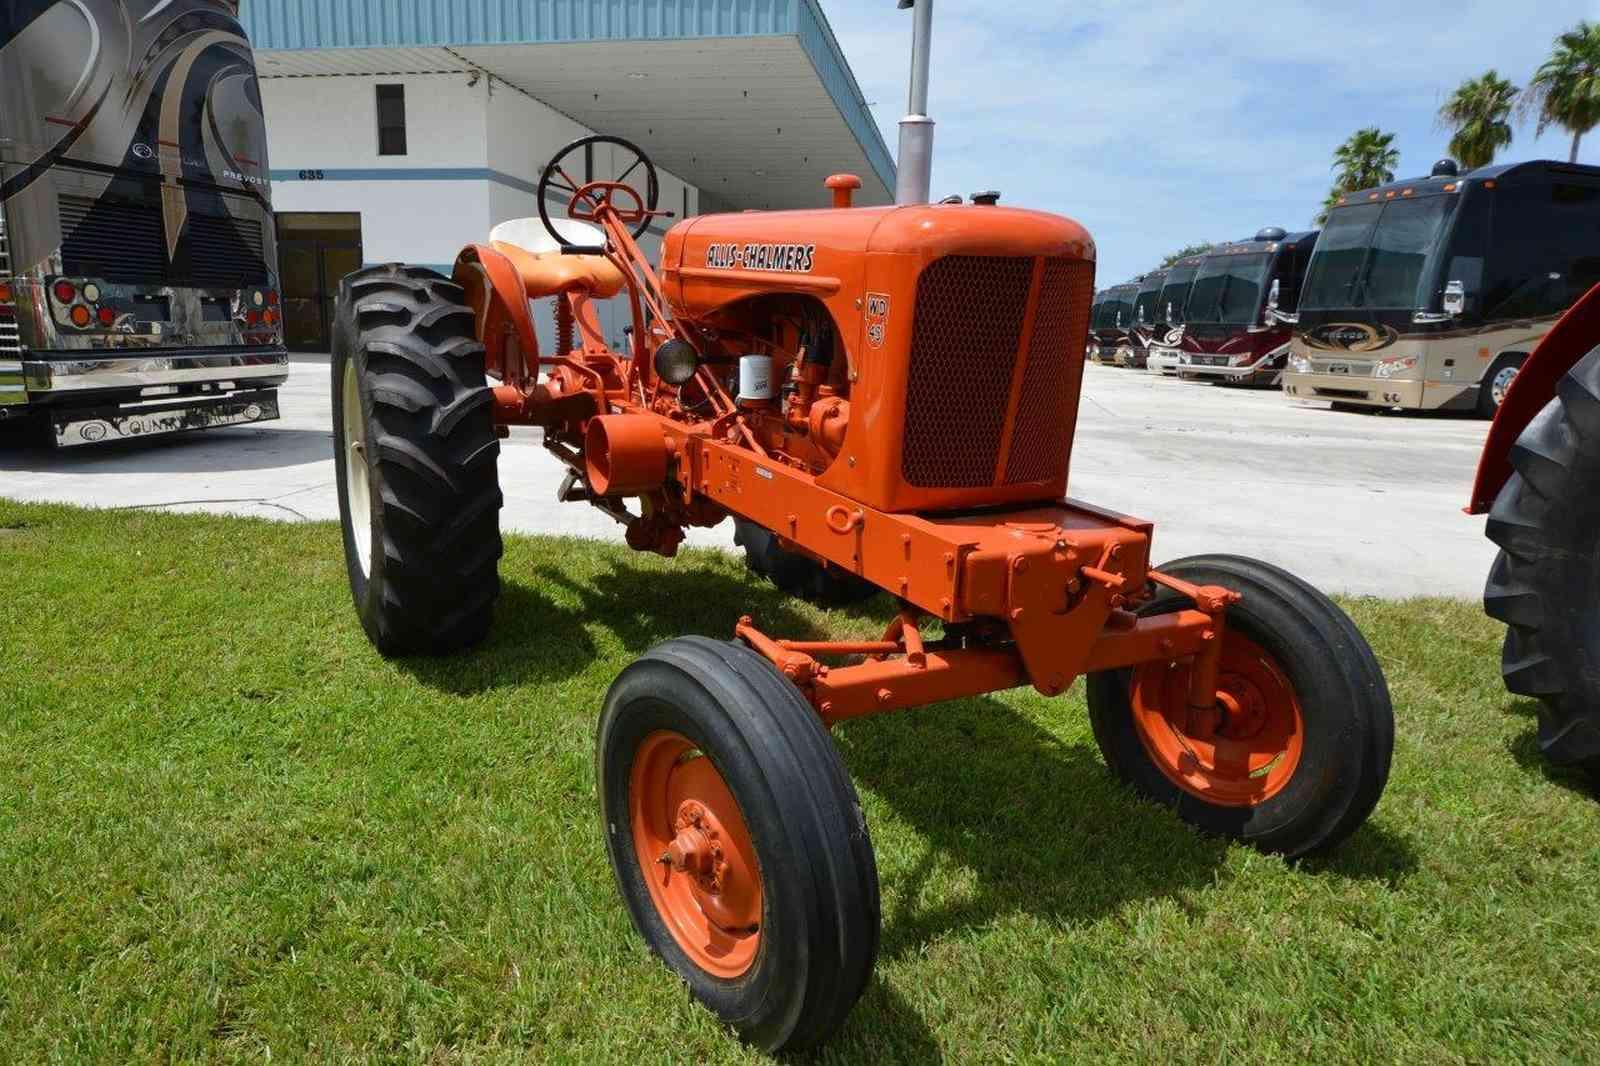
(883, 396)
(1539, 482)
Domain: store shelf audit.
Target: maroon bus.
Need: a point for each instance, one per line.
(1232, 334)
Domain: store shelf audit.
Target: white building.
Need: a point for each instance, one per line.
(400, 130)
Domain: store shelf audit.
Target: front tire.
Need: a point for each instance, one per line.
(737, 840)
(416, 461)
(1545, 583)
(1298, 752)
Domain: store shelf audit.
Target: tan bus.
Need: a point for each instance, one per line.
(1429, 294)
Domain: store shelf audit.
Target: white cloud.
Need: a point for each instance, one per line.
(1160, 123)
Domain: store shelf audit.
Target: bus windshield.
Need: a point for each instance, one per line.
(1117, 303)
(1227, 289)
(1174, 294)
(1145, 307)
(1375, 255)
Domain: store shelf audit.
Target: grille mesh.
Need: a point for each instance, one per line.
(127, 243)
(1042, 440)
(964, 342)
(223, 252)
(114, 241)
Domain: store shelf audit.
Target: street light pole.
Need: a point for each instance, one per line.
(915, 170)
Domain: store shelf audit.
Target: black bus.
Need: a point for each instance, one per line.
(1109, 328)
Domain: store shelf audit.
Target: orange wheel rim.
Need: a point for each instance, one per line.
(1243, 752)
(695, 853)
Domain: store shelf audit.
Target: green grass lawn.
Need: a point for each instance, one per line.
(228, 829)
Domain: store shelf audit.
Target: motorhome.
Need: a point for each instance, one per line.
(1430, 293)
(1233, 328)
(1163, 354)
(138, 276)
(1146, 320)
(1109, 327)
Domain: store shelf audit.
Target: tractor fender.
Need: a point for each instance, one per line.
(499, 302)
(1568, 341)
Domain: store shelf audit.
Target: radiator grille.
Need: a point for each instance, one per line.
(1042, 440)
(222, 252)
(968, 326)
(127, 243)
(114, 241)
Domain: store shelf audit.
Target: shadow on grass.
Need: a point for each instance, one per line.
(1041, 827)
(1372, 853)
(882, 1028)
(536, 639)
(1024, 823)
(1524, 748)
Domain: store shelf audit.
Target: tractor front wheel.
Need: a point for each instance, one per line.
(1545, 584)
(737, 840)
(799, 575)
(415, 454)
(1293, 757)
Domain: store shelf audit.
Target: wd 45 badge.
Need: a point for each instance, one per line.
(782, 258)
(877, 318)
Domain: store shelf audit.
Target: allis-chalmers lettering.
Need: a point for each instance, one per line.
(784, 258)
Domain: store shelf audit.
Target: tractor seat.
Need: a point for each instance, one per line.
(546, 270)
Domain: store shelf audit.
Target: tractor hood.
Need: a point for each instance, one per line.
(711, 261)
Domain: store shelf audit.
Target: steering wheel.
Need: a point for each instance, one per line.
(586, 199)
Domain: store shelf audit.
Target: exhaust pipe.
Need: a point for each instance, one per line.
(914, 180)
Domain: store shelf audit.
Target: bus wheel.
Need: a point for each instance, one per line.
(1545, 584)
(737, 840)
(415, 461)
(1296, 753)
(1496, 383)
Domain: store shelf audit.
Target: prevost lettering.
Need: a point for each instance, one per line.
(784, 258)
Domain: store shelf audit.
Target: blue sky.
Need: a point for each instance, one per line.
(1159, 123)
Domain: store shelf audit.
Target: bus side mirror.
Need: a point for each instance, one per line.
(1273, 293)
(1455, 298)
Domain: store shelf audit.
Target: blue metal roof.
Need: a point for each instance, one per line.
(302, 25)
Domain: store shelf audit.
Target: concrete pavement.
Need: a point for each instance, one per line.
(1354, 503)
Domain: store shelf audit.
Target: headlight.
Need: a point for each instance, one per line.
(1388, 368)
(1299, 364)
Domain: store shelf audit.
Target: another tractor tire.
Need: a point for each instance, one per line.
(737, 840)
(1302, 761)
(799, 575)
(1545, 584)
(416, 456)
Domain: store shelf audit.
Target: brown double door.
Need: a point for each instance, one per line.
(315, 250)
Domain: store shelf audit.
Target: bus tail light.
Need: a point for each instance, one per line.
(66, 291)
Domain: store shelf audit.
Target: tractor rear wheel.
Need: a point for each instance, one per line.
(1545, 584)
(796, 574)
(416, 462)
(1297, 751)
(737, 840)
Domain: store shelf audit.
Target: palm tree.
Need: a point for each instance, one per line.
(1334, 195)
(1565, 91)
(1366, 159)
(1477, 112)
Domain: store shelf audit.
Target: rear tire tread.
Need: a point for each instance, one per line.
(433, 447)
(1543, 584)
